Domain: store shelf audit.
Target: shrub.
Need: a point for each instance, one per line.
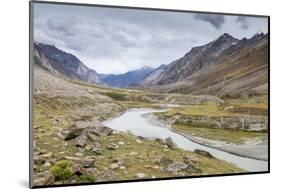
(62, 170)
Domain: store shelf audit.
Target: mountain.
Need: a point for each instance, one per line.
(225, 66)
(64, 64)
(127, 79)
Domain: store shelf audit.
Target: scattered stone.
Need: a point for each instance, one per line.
(121, 143)
(190, 160)
(79, 154)
(176, 166)
(122, 167)
(109, 175)
(141, 175)
(114, 166)
(46, 179)
(119, 161)
(47, 164)
(78, 170)
(43, 151)
(165, 160)
(203, 153)
(133, 153)
(138, 141)
(87, 163)
(112, 146)
(170, 143)
(39, 160)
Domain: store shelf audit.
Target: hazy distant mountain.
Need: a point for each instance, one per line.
(61, 63)
(127, 79)
(225, 66)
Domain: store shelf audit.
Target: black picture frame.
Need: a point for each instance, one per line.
(31, 41)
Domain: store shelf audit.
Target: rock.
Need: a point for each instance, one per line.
(93, 131)
(109, 175)
(122, 167)
(92, 137)
(48, 155)
(133, 153)
(112, 146)
(87, 163)
(43, 151)
(114, 166)
(96, 148)
(78, 170)
(119, 161)
(47, 164)
(79, 154)
(121, 143)
(203, 153)
(160, 141)
(39, 160)
(46, 179)
(190, 160)
(141, 175)
(81, 141)
(170, 143)
(165, 160)
(72, 133)
(105, 130)
(138, 141)
(176, 166)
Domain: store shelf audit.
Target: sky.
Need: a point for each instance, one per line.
(115, 40)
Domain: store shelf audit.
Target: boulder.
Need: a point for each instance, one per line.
(203, 153)
(105, 130)
(170, 143)
(72, 133)
(81, 140)
(176, 166)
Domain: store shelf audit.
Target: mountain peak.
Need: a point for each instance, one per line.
(225, 37)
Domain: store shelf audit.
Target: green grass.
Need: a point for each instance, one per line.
(115, 96)
(225, 135)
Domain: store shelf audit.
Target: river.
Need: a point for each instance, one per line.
(133, 121)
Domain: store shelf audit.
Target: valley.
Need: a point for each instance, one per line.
(203, 114)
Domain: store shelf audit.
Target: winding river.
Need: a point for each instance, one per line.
(133, 121)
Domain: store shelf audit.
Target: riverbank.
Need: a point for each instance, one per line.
(256, 150)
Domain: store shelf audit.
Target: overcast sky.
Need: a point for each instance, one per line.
(111, 40)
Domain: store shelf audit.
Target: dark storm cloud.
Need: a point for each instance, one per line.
(215, 20)
(243, 22)
(119, 40)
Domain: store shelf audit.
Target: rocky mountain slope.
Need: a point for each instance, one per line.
(127, 79)
(64, 64)
(225, 66)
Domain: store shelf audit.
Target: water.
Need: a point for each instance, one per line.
(138, 125)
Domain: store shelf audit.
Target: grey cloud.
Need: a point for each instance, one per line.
(118, 40)
(215, 20)
(243, 21)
